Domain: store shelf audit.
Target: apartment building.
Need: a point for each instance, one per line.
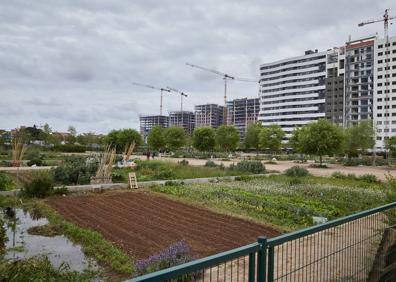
(334, 97)
(359, 66)
(211, 115)
(147, 122)
(183, 119)
(293, 91)
(384, 103)
(242, 112)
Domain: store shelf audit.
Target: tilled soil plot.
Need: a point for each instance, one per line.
(143, 224)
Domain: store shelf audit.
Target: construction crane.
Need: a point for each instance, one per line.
(156, 88)
(385, 18)
(182, 94)
(226, 77)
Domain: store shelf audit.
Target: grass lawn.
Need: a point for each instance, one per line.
(166, 170)
(285, 202)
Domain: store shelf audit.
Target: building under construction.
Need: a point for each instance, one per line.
(211, 115)
(150, 121)
(183, 119)
(242, 112)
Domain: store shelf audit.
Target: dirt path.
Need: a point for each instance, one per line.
(143, 224)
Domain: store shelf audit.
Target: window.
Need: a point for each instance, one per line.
(379, 115)
(380, 46)
(379, 61)
(379, 77)
(380, 54)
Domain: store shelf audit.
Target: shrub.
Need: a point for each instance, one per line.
(70, 148)
(35, 158)
(295, 181)
(210, 163)
(117, 176)
(175, 254)
(369, 178)
(183, 162)
(255, 167)
(41, 186)
(6, 182)
(297, 171)
(75, 170)
(165, 174)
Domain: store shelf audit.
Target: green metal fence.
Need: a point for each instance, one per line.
(360, 247)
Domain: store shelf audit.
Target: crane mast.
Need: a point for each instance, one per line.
(182, 94)
(225, 77)
(155, 88)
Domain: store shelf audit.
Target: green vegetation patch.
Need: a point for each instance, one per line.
(48, 230)
(164, 170)
(281, 201)
(40, 269)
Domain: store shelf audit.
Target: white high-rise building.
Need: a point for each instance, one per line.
(384, 110)
(293, 91)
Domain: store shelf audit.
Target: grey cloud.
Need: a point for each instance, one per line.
(65, 62)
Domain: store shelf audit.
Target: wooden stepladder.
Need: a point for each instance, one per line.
(132, 180)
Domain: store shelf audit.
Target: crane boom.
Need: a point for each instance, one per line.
(210, 70)
(178, 91)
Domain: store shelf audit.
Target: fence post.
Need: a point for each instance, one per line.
(262, 259)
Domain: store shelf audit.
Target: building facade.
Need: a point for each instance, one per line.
(211, 115)
(334, 97)
(147, 122)
(359, 65)
(183, 119)
(293, 91)
(242, 112)
(384, 103)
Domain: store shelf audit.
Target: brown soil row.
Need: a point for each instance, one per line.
(143, 224)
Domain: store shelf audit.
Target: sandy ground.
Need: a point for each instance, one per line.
(281, 166)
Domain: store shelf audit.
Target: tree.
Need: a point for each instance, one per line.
(175, 138)
(156, 139)
(270, 138)
(321, 138)
(359, 138)
(227, 138)
(252, 138)
(203, 138)
(73, 133)
(123, 137)
(390, 144)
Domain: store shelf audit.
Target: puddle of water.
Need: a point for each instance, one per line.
(58, 249)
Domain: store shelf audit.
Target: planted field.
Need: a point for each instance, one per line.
(143, 224)
(287, 202)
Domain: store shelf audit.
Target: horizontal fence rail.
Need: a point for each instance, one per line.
(359, 247)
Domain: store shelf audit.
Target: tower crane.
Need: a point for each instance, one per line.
(182, 94)
(226, 77)
(156, 88)
(385, 18)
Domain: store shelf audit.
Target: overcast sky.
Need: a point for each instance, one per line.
(73, 62)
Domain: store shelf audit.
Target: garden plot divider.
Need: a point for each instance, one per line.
(359, 247)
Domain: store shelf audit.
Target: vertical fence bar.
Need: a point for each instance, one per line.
(252, 266)
(262, 260)
(271, 262)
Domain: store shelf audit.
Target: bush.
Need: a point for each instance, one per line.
(210, 163)
(75, 170)
(369, 178)
(183, 162)
(70, 148)
(41, 186)
(117, 176)
(35, 158)
(255, 167)
(6, 182)
(297, 171)
(164, 174)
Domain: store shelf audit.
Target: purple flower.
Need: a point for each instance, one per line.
(175, 254)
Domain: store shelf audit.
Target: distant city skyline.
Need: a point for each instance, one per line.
(74, 63)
